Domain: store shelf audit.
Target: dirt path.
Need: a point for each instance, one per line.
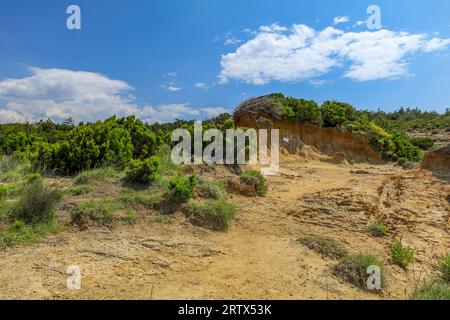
(259, 257)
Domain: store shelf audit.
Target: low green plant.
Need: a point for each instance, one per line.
(378, 229)
(143, 171)
(401, 255)
(324, 246)
(3, 192)
(444, 267)
(256, 179)
(182, 188)
(213, 189)
(100, 212)
(162, 219)
(135, 199)
(100, 174)
(435, 290)
(36, 203)
(353, 269)
(79, 190)
(20, 233)
(215, 214)
(423, 143)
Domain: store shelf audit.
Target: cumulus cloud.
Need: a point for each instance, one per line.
(172, 88)
(339, 20)
(201, 85)
(58, 94)
(302, 53)
(232, 41)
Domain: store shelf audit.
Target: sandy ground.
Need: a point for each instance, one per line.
(259, 257)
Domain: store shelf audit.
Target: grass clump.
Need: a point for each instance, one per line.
(255, 179)
(378, 229)
(79, 190)
(325, 247)
(182, 188)
(444, 267)
(401, 255)
(162, 219)
(214, 214)
(36, 203)
(212, 190)
(100, 174)
(435, 290)
(20, 233)
(100, 212)
(143, 171)
(353, 269)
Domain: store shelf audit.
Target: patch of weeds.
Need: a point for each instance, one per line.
(212, 189)
(135, 200)
(20, 233)
(36, 203)
(378, 229)
(444, 267)
(255, 179)
(100, 212)
(214, 214)
(130, 217)
(353, 269)
(435, 290)
(162, 219)
(79, 190)
(401, 255)
(325, 247)
(100, 174)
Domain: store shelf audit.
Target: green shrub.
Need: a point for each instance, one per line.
(423, 143)
(401, 255)
(181, 188)
(404, 148)
(215, 214)
(3, 192)
(255, 179)
(20, 233)
(435, 290)
(98, 211)
(79, 190)
(378, 229)
(335, 113)
(325, 247)
(353, 269)
(36, 203)
(299, 110)
(444, 267)
(143, 171)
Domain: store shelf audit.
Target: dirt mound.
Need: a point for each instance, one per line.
(332, 142)
(438, 160)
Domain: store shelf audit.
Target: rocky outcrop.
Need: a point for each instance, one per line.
(337, 143)
(438, 160)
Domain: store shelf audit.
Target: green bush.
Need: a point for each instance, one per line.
(100, 174)
(435, 290)
(335, 113)
(98, 211)
(378, 229)
(353, 269)
(143, 171)
(299, 110)
(444, 267)
(215, 214)
(181, 188)
(212, 189)
(423, 143)
(404, 148)
(3, 192)
(36, 203)
(401, 255)
(255, 179)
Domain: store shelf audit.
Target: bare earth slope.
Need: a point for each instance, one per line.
(259, 257)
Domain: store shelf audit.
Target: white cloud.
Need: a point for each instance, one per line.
(58, 94)
(302, 53)
(232, 41)
(359, 23)
(339, 20)
(172, 88)
(212, 112)
(171, 74)
(201, 85)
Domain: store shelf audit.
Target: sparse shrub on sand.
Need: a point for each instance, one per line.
(255, 179)
(100, 174)
(214, 214)
(401, 255)
(353, 269)
(378, 229)
(20, 233)
(212, 189)
(143, 171)
(324, 246)
(100, 212)
(444, 267)
(434, 290)
(36, 203)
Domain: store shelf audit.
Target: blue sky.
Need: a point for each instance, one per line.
(193, 58)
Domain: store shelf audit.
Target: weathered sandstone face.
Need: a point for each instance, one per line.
(333, 142)
(438, 160)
